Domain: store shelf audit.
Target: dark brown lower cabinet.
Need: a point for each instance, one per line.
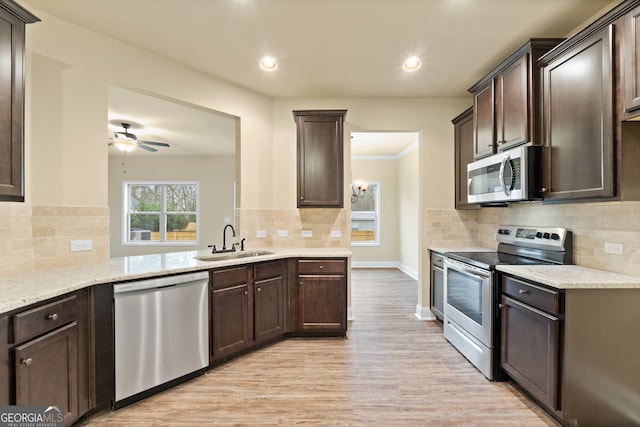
(529, 351)
(48, 357)
(231, 317)
(572, 350)
(46, 371)
(247, 306)
(269, 321)
(322, 296)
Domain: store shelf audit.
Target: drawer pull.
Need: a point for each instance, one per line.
(246, 292)
(53, 316)
(523, 291)
(500, 306)
(27, 361)
(259, 289)
(322, 267)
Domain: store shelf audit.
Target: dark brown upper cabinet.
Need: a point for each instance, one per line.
(578, 119)
(320, 158)
(12, 38)
(464, 151)
(631, 63)
(506, 100)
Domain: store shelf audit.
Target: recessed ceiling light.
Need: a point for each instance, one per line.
(412, 64)
(268, 63)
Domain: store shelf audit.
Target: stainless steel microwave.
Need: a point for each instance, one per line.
(508, 176)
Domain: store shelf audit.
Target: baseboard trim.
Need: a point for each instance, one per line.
(386, 264)
(424, 313)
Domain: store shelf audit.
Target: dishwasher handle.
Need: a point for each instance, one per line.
(159, 282)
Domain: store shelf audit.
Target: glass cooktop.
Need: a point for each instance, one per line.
(488, 260)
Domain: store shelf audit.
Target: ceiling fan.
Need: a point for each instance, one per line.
(127, 141)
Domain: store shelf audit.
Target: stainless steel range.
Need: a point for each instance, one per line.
(471, 316)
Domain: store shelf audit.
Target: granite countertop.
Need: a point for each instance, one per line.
(40, 285)
(572, 276)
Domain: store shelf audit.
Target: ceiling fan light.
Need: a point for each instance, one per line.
(124, 145)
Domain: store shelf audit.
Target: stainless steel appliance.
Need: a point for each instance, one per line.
(471, 318)
(161, 334)
(509, 176)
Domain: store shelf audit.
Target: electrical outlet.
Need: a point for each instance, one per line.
(81, 245)
(307, 233)
(261, 234)
(613, 248)
(336, 233)
(283, 233)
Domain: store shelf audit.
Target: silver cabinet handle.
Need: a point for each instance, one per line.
(246, 292)
(53, 316)
(523, 291)
(258, 289)
(26, 361)
(322, 267)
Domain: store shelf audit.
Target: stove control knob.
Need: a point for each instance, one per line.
(505, 231)
(546, 235)
(539, 235)
(555, 236)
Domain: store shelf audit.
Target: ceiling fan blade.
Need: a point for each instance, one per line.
(159, 144)
(144, 147)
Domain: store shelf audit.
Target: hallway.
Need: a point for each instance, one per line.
(391, 370)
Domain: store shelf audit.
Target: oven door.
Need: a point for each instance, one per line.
(468, 299)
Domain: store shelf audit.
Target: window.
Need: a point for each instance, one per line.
(365, 217)
(160, 213)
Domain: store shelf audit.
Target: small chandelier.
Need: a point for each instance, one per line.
(358, 190)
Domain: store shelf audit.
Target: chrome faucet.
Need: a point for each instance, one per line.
(224, 237)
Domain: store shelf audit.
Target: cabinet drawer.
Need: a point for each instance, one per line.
(36, 321)
(230, 277)
(328, 266)
(544, 299)
(268, 270)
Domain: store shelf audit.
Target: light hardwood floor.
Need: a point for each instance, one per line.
(392, 369)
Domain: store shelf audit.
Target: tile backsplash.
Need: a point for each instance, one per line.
(35, 237)
(592, 224)
(314, 228)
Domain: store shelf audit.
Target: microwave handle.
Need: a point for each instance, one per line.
(505, 188)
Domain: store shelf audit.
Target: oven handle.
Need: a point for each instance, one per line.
(464, 268)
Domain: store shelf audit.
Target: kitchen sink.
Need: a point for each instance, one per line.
(232, 255)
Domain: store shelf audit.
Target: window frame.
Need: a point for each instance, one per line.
(367, 215)
(126, 214)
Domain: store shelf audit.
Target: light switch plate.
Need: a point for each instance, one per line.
(81, 245)
(336, 233)
(307, 233)
(261, 234)
(283, 233)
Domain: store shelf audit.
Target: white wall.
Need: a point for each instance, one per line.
(215, 174)
(399, 211)
(384, 171)
(69, 71)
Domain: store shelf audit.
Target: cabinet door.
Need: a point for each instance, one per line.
(5, 364)
(631, 61)
(268, 308)
(322, 303)
(578, 121)
(512, 100)
(529, 350)
(230, 320)
(46, 371)
(483, 112)
(320, 158)
(11, 113)
(463, 134)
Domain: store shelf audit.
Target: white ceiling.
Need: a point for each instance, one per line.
(188, 129)
(332, 48)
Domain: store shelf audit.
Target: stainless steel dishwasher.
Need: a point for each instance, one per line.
(161, 334)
